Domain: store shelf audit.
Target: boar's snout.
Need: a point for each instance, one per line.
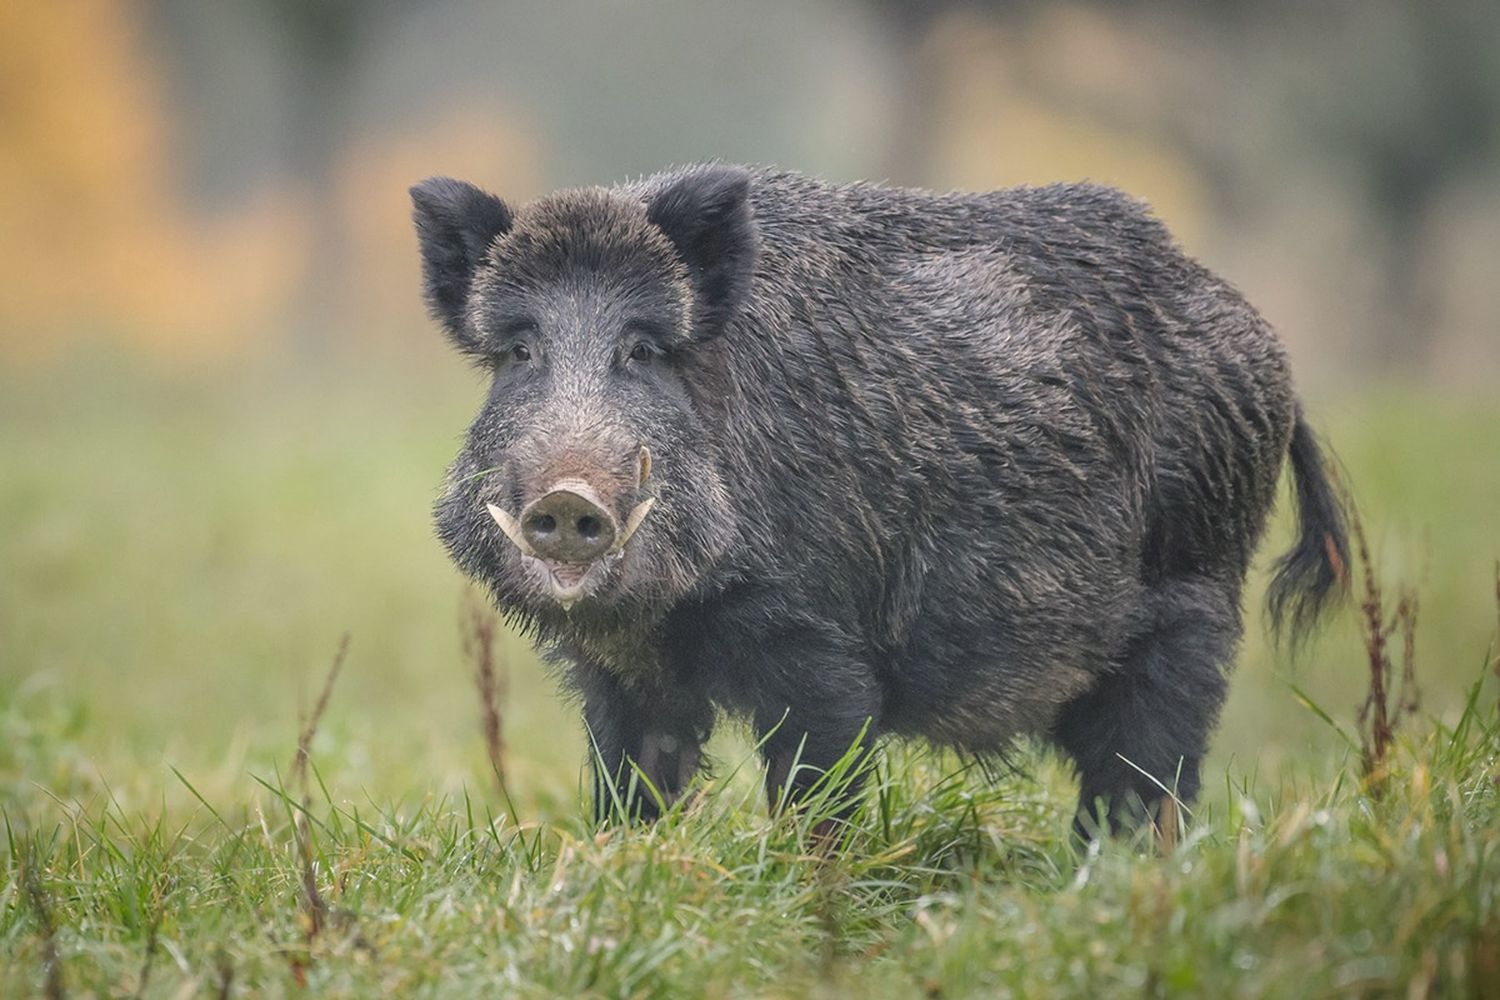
(571, 537)
(569, 524)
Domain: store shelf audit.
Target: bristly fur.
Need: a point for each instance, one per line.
(951, 467)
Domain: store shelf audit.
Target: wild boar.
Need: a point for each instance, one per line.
(855, 461)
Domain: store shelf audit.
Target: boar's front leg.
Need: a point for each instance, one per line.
(645, 744)
(814, 706)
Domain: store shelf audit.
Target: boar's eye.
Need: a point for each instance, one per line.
(516, 332)
(642, 351)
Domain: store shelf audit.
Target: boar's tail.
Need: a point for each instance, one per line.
(1315, 571)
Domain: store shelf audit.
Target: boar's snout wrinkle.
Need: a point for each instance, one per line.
(853, 462)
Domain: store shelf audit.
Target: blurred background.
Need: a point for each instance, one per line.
(223, 415)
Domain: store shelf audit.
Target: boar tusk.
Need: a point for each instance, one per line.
(510, 527)
(645, 465)
(634, 521)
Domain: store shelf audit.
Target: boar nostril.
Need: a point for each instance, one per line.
(546, 524)
(589, 527)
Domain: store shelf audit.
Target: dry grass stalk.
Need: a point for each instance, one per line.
(1389, 697)
(226, 978)
(314, 906)
(1166, 823)
(481, 636)
(309, 723)
(148, 961)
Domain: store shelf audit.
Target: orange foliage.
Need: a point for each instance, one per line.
(93, 239)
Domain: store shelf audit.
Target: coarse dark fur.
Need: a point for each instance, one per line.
(953, 467)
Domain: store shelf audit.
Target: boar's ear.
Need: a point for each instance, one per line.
(456, 223)
(705, 212)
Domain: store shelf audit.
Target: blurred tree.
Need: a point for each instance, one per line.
(1412, 107)
(313, 50)
(324, 39)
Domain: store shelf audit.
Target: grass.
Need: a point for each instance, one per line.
(180, 556)
(950, 886)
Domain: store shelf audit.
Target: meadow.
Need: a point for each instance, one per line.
(182, 554)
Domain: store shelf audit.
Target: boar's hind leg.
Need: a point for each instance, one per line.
(645, 746)
(1143, 728)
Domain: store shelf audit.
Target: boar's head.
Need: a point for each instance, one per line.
(588, 477)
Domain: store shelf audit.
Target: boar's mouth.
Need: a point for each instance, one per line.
(569, 582)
